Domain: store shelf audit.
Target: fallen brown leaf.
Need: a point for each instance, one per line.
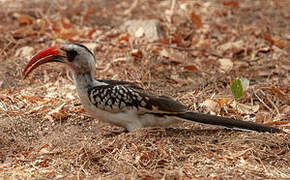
(136, 53)
(268, 38)
(231, 3)
(191, 67)
(196, 20)
(123, 38)
(24, 20)
(65, 23)
(88, 13)
(280, 44)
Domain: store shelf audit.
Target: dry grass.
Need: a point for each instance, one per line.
(44, 132)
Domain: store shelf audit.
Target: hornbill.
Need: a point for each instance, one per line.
(124, 103)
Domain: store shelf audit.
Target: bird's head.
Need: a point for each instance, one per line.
(78, 57)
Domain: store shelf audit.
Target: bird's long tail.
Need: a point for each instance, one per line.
(227, 122)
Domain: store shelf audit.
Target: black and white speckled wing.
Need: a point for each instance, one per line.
(120, 96)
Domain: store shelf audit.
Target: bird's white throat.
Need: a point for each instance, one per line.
(85, 81)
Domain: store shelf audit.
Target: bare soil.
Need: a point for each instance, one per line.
(45, 133)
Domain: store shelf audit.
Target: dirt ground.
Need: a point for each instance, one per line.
(205, 45)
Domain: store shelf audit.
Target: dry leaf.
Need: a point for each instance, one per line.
(55, 26)
(196, 20)
(180, 81)
(231, 3)
(212, 106)
(21, 33)
(48, 172)
(88, 13)
(245, 109)
(57, 113)
(44, 149)
(223, 101)
(278, 123)
(225, 64)
(32, 99)
(268, 38)
(277, 91)
(203, 53)
(175, 62)
(245, 83)
(191, 67)
(173, 55)
(136, 53)
(164, 41)
(79, 110)
(280, 44)
(66, 33)
(24, 20)
(66, 23)
(139, 32)
(193, 42)
(238, 45)
(91, 33)
(260, 118)
(123, 38)
(177, 39)
(150, 29)
(37, 109)
(26, 51)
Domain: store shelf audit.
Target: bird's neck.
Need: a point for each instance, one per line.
(85, 81)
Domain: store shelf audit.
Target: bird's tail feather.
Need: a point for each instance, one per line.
(227, 122)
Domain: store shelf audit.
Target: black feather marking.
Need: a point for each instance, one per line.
(227, 122)
(71, 54)
(84, 48)
(130, 96)
(124, 95)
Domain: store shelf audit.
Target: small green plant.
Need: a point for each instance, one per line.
(237, 88)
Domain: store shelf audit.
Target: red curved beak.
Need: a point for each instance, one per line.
(51, 54)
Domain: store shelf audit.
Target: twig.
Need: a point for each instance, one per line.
(172, 9)
(272, 103)
(261, 162)
(5, 48)
(169, 46)
(263, 102)
(242, 153)
(132, 7)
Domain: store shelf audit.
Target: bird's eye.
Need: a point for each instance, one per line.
(71, 55)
